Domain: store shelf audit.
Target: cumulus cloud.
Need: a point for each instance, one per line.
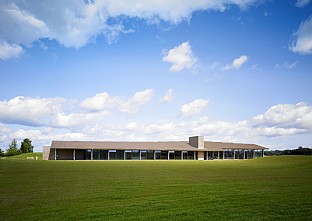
(168, 96)
(282, 120)
(99, 102)
(104, 101)
(287, 116)
(8, 51)
(277, 131)
(134, 104)
(303, 38)
(194, 107)
(75, 23)
(78, 119)
(237, 63)
(302, 3)
(29, 111)
(181, 57)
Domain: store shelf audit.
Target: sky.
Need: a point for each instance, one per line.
(142, 70)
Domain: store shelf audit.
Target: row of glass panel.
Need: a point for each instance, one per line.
(167, 155)
(234, 154)
(138, 155)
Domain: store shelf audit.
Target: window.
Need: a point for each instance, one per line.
(157, 154)
(135, 155)
(103, 154)
(190, 155)
(143, 154)
(184, 155)
(88, 154)
(177, 155)
(150, 155)
(164, 155)
(96, 154)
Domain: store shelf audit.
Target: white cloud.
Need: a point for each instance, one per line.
(303, 41)
(21, 116)
(99, 102)
(276, 131)
(283, 120)
(237, 63)
(75, 23)
(134, 104)
(78, 119)
(194, 107)
(173, 11)
(29, 111)
(35, 112)
(104, 101)
(181, 57)
(287, 65)
(8, 51)
(168, 96)
(302, 3)
(287, 116)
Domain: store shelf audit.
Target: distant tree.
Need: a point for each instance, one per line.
(13, 144)
(1, 153)
(26, 146)
(272, 152)
(299, 151)
(13, 149)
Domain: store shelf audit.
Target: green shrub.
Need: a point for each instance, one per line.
(1, 153)
(12, 152)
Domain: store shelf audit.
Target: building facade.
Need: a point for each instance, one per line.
(195, 149)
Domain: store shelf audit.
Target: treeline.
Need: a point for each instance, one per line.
(298, 151)
(13, 150)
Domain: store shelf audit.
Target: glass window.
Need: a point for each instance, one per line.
(112, 154)
(96, 154)
(150, 155)
(171, 155)
(103, 154)
(184, 155)
(120, 154)
(190, 155)
(209, 155)
(229, 154)
(135, 155)
(128, 154)
(88, 154)
(143, 154)
(164, 155)
(177, 155)
(157, 154)
(215, 154)
(221, 154)
(258, 153)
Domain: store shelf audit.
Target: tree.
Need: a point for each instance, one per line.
(26, 146)
(1, 153)
(13, 144)
(299, 151)
(13, 149)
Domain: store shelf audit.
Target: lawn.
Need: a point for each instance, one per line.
(271, 188)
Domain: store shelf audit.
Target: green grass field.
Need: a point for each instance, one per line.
(271, 188)
(25, 155)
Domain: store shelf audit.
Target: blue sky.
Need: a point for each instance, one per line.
(234, 71)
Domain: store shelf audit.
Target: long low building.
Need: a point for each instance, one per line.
(195, 149)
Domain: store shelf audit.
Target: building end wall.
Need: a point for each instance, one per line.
(201, 155)
(46, 152)
(197, 141)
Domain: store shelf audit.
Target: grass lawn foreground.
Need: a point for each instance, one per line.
(270, 188)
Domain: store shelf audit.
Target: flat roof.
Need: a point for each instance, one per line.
(162, 145)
